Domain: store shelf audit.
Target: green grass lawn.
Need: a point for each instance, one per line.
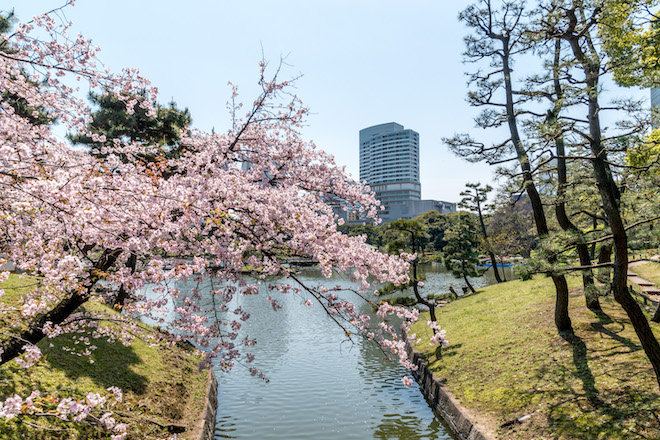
(162, 385)
(506, 360)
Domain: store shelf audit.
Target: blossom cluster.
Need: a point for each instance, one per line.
(90, 226)
(439, 336)
(92, 406)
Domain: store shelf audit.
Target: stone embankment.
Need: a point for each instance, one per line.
(455, 416)
(205, 428)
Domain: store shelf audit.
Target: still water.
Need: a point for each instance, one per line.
(320, 387)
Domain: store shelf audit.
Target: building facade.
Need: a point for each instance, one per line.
(655, 97)
(389, 163)
(655, 105)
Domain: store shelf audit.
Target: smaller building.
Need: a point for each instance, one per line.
(655, 97)
(412, 208)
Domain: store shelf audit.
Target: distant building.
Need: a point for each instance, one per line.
(655, 102)
(655, 97)
(389, 163)
(412, 208)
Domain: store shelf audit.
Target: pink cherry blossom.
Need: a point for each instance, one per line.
(245, 197)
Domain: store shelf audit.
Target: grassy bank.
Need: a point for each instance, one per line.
(163, 387)
(506, 361)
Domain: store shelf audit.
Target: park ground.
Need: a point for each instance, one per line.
(507, 361)
(164, 388)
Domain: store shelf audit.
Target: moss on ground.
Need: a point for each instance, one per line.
(506, 360)
(164, 390)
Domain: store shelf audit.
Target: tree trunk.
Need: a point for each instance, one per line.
(122, 295)
(418, 296)
(562, 319)
(605, 256)
(34, 332)
(590, 291)
(656, 315)
(610, 196)
(493, 262)
(14, 346)
(432, 312)
(592, 250)
(467, 282)
(491, 254)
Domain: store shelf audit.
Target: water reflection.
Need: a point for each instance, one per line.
(320, 387)
(438, 279)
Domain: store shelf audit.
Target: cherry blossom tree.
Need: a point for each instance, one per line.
(93, 226)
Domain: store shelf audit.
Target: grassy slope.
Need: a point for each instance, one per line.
(162, 385)
(506, 361)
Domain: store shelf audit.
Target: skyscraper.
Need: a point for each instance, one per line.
(389, 163)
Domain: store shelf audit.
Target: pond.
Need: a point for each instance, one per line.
(321, 386)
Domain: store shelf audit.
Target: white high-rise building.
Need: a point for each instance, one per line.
(389, 163)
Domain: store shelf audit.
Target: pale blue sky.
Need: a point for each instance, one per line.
(364, 62)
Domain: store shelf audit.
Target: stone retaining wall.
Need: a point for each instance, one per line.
(205, 428)
(440, 400)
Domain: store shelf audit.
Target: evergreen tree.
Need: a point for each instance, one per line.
(461, 252)
(113, 120)
(473, 198)
(501, 34)
(408, 235)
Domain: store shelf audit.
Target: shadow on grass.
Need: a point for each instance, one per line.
(111, 365)
(583, 371)
(441, 352)
(580, 358)
(603, 320)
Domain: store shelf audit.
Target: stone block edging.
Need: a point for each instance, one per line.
(440, 400)
(205, 427)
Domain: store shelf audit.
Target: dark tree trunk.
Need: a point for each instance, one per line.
(493, 262)
(610, 196)
(605, 273)
(420, 299)
(14, 346)
(432, 312)
(491, 254)
(467, 282)
(503, 273)
(34, 332)
(122, 295)
(590, 291)
(656, 315)
(562, 319)
(592, 250)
